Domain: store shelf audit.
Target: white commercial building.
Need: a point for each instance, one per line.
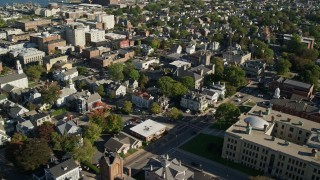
(28, 55)
(95, 35)
(76, 35)
(107, 19)
(148, 130)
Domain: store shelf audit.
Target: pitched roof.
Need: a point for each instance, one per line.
(65, 127)
(63, 168)
(12, 77)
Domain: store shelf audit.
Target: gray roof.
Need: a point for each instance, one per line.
(64, 127)
(115, 143)
(172, 170)
(63, 168)
(11, 77)
(297, 83)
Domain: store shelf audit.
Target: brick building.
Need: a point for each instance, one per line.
(32, 24)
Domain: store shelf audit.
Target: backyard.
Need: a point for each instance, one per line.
(210, 147)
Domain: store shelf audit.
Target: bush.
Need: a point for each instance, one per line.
(91, 167)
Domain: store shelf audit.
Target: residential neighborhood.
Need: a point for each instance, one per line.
(150, 90)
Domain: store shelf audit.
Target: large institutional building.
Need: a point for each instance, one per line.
(278, 144)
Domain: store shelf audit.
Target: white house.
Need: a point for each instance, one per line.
(144, 64)
(68, 169)
(191, 48)
(116, 90)
(122, 143)
(143, 100)
(65, 93)
(3, 135)
(65, 74)
(211, 95)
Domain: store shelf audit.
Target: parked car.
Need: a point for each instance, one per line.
(196, 164)
(188, 111)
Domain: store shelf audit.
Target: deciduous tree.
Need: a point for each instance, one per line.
(127, 107)
(114, 123)
(33, 154)
(155, 108)
(92, 132)
(175, 114)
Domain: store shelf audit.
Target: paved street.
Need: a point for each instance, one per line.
(219, 170)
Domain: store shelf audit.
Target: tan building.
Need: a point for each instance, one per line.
(112, 57)
(56, 61)
(32, 24)
(111, 168)
(148, 130)
(20, 37)
(278, 144)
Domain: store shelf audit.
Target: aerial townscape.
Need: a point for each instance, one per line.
(160, 90)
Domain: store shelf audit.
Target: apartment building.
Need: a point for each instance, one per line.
(95, 35)
(75, 35)
(27, 25)
(278, 144)
(194, 101)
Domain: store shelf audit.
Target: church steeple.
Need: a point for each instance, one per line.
(19, 68)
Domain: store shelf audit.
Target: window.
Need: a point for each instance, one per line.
(300, 131)
(291, 129)
(282, 127)
(290, 135)
(298, 138)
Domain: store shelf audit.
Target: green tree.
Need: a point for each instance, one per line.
(65, 143)
(82, 70)
(85, 152)
(235, 76)
(155, 108)
(31, 106)
(143, 80)
(50, 93)
(114, 123)
(116, 71)
(175, 114)
(18, 138)
(310, 74)
(33, 154)
(34, 72)
(230, 90)
(170, 87)
(2, 23)
(283, 66)
(227, 113)
(155, 43)
(5, 70)
(219, 67)
(101, 91)
(127, 107)
(92, 132)
(188, 82)
(134, 74)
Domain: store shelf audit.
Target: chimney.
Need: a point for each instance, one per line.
(201, 72)
(129, 171)
(265, 127)
(151, 168)
(248, 124)
(289, 119)
(167, 156)
(314, 152)
(77, 122)
(180, 163)
(164, 175)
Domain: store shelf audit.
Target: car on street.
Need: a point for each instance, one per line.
(188, 111)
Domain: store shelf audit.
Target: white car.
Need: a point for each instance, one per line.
(188, 111)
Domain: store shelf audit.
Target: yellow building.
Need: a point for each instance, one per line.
(278, 144)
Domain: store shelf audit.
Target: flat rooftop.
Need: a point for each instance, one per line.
(147, 128)
(261, 137)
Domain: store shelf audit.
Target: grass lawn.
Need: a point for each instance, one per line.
(220, 127)
(210, 147)
(245, 109)
(131, 151)
(58, 112)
